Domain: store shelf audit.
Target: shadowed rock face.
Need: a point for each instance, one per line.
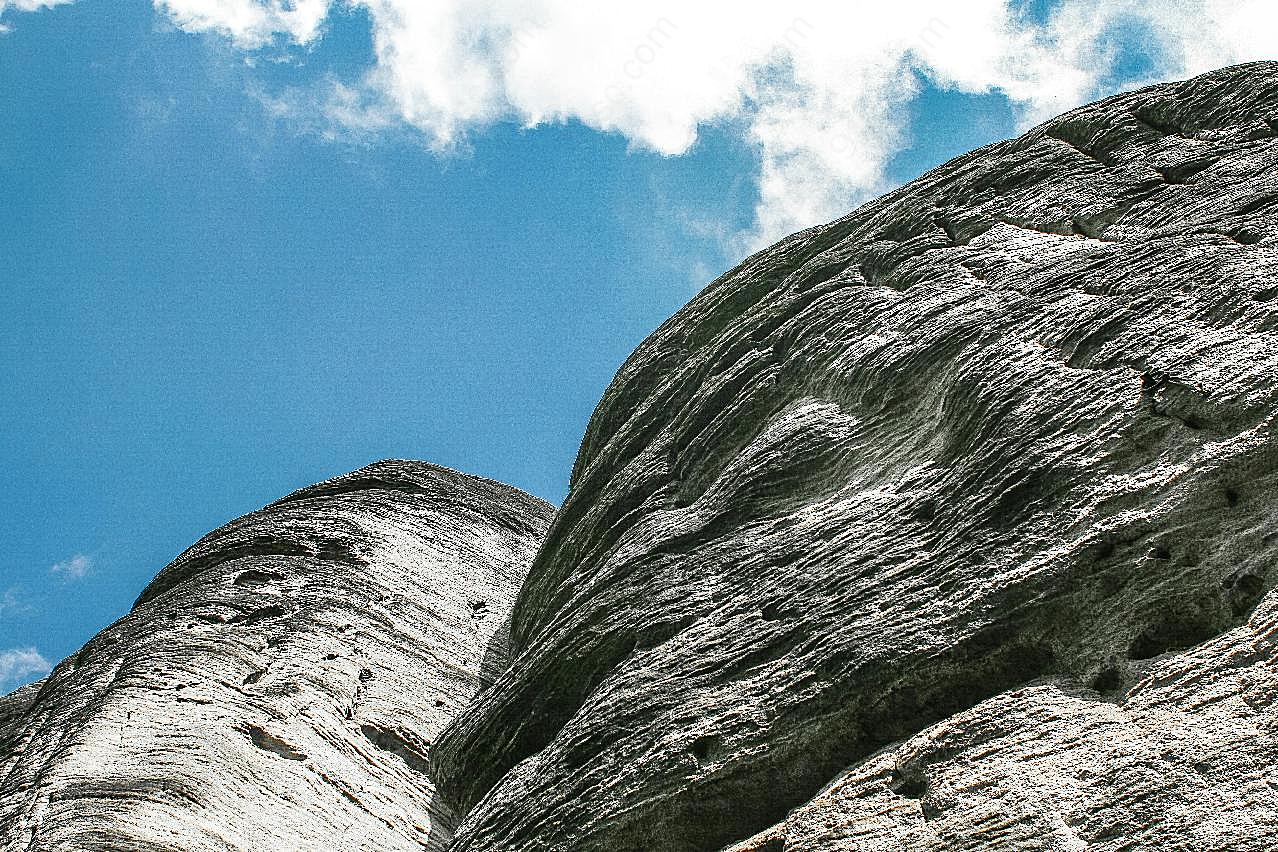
(1007, 431)
(280, 685)
(1182, 760)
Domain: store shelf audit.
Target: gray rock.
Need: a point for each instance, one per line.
(955, 471)
(280, 685)
(1183, 759)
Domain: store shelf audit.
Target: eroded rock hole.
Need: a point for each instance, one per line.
(332, 550)
(1107, 679)
(1180, 626)
(258, 615)
(925, 511)
(910, 784)
(772, 611)
(706, 748)
(397, 744)
(1243, 591)
(267, 741)
(254, 578)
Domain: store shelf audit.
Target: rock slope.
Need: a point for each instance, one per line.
(280, 684)
(965, 470)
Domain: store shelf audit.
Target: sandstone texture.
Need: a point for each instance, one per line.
(909, 531)
(280, 684)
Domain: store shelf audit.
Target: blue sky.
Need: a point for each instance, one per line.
(242, 254)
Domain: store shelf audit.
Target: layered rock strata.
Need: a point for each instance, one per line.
(948, 525)
(280, 684)
(1002, 439)
(1183, 759)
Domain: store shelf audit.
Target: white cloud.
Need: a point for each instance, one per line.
(29, 5)
(250, 23)
(74, 568)
(25, 6)
(18, 664)
(11, 602)
(819, 87)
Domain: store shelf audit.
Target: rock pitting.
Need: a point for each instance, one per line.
(948, 525)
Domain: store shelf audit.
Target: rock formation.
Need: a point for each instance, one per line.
(1006, 433)
(1183, 759)
(947, 525)
(279, 685)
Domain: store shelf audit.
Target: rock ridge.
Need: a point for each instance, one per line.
(950, 524)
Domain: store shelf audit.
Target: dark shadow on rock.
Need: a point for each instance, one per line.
(496, 658)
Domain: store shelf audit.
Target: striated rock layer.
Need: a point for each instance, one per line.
(960, 470)
(279, 685)
(1183, 760)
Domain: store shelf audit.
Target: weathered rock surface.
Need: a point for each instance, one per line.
(959, 470)
(1184, 760)
(279, 685)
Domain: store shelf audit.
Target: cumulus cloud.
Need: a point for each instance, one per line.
(74, 568)
(250, 23)
(25, 6)
(18, 664)
(1182, 37)
(817, 87)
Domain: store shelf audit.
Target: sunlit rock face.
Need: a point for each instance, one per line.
(280, 685)
(951, 476)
